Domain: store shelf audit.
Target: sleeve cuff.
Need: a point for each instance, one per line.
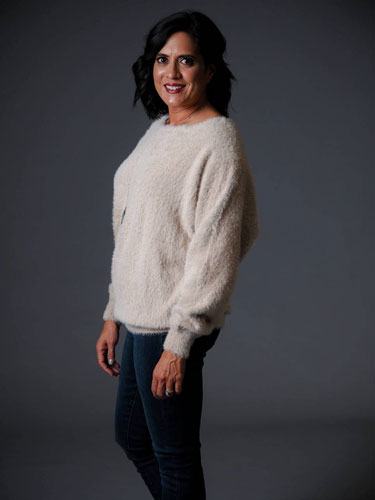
(108, 312)
(179, 343)
(108, 316)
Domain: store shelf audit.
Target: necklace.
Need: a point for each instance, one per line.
(167, 120)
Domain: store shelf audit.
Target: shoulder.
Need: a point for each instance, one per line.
(225, 140)
(225, 131)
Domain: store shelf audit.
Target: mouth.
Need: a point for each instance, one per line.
(173, 89)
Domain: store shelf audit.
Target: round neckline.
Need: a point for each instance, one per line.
(164, 118)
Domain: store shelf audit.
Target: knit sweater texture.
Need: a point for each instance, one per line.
(184, 217)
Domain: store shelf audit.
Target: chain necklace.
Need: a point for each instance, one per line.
(167, 120)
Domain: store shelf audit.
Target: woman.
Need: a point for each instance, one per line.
(184, 216)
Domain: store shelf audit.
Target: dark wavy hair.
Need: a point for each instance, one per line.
(211, 44)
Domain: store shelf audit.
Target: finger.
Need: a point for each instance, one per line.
(178, 385)
(111, 355)
(154, 386)
(160, 390)
(170, 387)
(101, 356)
(106, 369)
(100, 349)
(104, 366)
(116, 368)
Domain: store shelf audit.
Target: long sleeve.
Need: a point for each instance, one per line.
(108, 311)
(226, 225)
(117, 215)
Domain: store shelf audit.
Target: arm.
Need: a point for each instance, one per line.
(108, 311)
(226, 225)
(117, 211)
(121, 183)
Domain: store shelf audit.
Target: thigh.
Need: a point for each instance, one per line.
(173, 422)
(203, 344)
(130, 423)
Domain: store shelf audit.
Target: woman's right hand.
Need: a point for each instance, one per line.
(105, 348)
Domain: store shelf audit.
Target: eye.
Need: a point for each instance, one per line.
(189, 59)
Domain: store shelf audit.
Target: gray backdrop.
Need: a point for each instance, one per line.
(296, 354)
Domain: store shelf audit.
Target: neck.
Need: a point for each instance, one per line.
(181, 116)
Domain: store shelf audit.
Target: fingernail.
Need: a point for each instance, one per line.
(110, 361)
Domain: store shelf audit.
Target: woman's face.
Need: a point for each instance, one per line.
(179, 63)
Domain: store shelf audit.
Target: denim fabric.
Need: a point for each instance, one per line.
(162, 436)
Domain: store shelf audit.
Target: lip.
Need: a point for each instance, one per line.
(173, 85)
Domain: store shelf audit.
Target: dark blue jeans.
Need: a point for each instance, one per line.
(162, 436)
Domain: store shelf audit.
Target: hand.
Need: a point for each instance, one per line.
(168, 374)
(105, 348)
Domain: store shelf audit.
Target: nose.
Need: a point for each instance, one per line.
(173, 71)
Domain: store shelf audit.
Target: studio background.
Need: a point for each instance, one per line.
(288, 405)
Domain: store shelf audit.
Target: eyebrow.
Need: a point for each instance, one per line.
(181, 55)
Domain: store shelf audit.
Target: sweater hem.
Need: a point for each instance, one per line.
(142, 329)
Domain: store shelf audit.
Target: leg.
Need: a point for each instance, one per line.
(131, 431)
(174, 423)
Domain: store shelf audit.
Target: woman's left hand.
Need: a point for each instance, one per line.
(168, 374)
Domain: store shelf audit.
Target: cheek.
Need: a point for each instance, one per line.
(195, 78)
(156, 74)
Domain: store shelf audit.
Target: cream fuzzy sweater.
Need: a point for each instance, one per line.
(184, 216)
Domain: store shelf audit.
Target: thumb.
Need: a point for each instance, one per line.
(111, 354)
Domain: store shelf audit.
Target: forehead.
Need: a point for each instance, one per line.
(180, 42)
